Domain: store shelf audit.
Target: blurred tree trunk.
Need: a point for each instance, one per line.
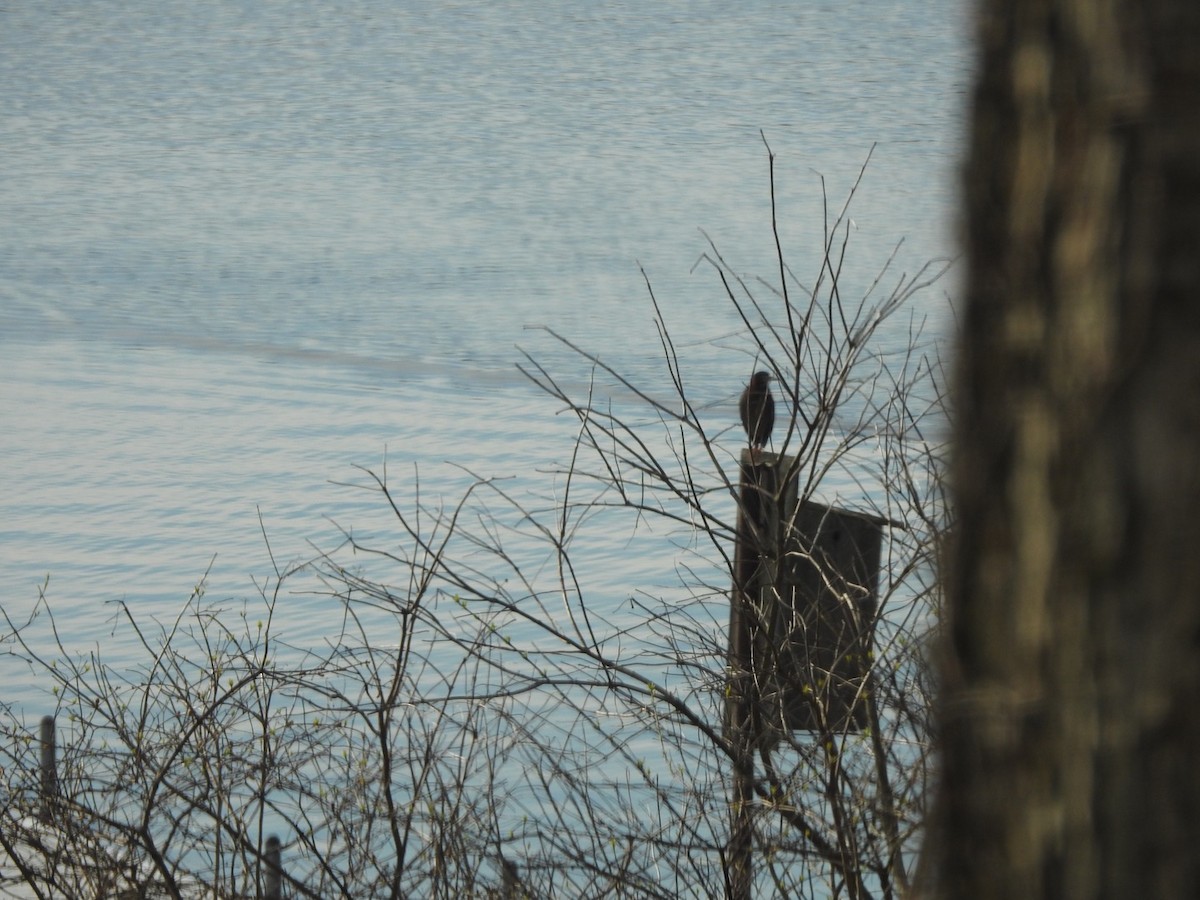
(1071, 706)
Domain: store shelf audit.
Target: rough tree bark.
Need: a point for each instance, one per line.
(1071, 706)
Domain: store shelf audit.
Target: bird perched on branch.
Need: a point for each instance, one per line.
(757, 407)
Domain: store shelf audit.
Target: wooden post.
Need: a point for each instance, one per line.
(758, 492)
(510, 879)
(48, 767)
(273, 869)
(738, 725)
(800, 621)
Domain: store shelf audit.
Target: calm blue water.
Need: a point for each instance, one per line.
(247, 247)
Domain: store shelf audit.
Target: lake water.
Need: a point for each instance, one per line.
(248, 247)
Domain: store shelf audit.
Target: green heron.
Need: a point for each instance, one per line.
(757, 407)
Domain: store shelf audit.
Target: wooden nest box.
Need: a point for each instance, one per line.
(804, 603)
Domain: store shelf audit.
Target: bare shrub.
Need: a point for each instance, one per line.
(483, 722)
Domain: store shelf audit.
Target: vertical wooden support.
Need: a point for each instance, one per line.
(757, 490)
(510, 880)
(801, 619)
(273, 869)
(48, 768)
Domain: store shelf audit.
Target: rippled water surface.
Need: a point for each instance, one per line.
(248, 248)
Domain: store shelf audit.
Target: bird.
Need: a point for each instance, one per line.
(757, 408)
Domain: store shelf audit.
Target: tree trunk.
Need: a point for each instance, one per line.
(1071, 705)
